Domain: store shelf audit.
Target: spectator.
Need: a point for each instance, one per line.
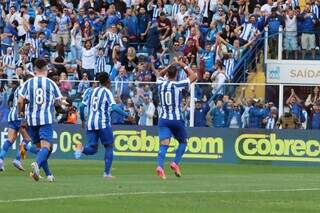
(9, 62)
(294, 103)
(218, 78)
(116, 118)
(200, 112)
(65, 85)
(313, 97)
(290, 38)
(308, 41)
(288, 121)
(270, 121)
(3, 77)
(130, 62)
(274, 21)
(218, 115)
(9, 36)
(234, 116)
(63, 25)
(84, 84)
(122, 84)
(248, 30)
(76, 42)
(146, 111)
(208, 57)
(153, 39)
(256, 113)
(131, 23)
(315, 119)
(88, 59)
(130, 108)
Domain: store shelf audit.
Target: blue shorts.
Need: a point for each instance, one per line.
(175, 128)
(15, 125)
(104, 135)
(38, 133)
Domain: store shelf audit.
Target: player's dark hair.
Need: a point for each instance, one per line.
(103, 78)
(172, 71)
(27, 77)
(40, 63)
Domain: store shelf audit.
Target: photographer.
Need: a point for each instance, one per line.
(288, 121)
(70, 115)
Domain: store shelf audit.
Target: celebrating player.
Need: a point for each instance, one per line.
(41, 93)
(98, 125)
(170, 118)
(14, 127)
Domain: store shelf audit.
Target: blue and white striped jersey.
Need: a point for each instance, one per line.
(248, 31)
(41, 92)
(8, 60)
(101, 64)
(13, 114)
(171, 98)
(87, 94)
(229, 67)
(98, 103)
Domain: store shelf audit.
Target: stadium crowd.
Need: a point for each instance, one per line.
(130, 39)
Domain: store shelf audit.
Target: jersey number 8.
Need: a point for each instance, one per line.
(39, 96)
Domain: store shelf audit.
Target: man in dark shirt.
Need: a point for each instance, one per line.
(3, 76)
(164, 26)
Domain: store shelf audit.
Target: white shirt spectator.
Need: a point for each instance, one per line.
(266, 8)
(21, 20)
(179, 17)
(88, 58)
(291, 24)
(37, 20)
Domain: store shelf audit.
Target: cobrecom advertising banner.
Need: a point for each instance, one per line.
(286, 147)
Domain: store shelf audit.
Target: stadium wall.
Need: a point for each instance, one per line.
(276, 147)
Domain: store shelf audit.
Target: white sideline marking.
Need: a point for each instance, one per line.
(153, 193)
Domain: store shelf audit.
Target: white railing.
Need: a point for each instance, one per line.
(250, 89)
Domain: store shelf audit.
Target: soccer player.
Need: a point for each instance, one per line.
(86, 95)
(98, 125)
(41, 93)
(170, 119)
(14, 127)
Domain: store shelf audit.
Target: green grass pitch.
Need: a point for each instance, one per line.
(79, 187)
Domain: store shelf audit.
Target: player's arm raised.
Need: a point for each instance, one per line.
(191, 75)
(159, 73)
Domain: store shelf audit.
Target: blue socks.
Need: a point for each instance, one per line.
(30, 147)
(90, 150)
(179, 152)
(108, 157)
(162, 154)
(42, 155)
(6, 146)
(45, 167)
(18, 156)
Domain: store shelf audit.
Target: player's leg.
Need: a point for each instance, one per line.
(164, 136)
(91, 146)
(46, 169)
(45, 134)
(12, 136)
(26, 144)
(106, 138)
(180, 134)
